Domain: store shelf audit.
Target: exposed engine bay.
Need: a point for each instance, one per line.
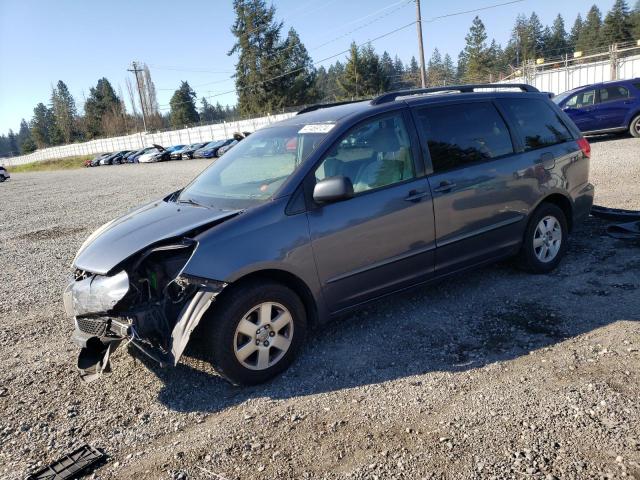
(146, 302)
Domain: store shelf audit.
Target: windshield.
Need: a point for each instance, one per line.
(252, 171)
(561, 96)
(213, 144)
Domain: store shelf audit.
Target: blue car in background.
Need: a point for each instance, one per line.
(210, 150)
(607, 107)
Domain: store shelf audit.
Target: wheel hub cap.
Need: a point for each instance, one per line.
(547, 239)
(263, 336)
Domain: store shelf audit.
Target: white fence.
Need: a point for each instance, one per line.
(566, 74)
(140, 140)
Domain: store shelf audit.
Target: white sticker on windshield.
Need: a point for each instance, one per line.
(317, 128)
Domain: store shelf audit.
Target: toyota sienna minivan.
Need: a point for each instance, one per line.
(321, 213)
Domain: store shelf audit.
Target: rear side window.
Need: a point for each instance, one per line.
(461, 134)
(613, 93)
(539, 124)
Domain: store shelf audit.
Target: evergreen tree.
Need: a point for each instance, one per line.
(477, 55)
(522, 43)
(12, 143)
(101, 109)
(64, 111)
(536, 35)
(398, 66)
(258, 48)
(435, 69)
(25, 142)
(590, 35)
(350, 82)
(617, 25)
(387, 68)
(298, 83)
(41, 126)
(555, 43)
(183, 106)
(208, 112)
(449, 71)
(576, 30)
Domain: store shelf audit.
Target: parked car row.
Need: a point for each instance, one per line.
(607, 107)
(158, 153)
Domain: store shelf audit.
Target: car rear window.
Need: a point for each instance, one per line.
(540, 125)
(461, 134)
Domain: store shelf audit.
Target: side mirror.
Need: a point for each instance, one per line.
(333, 189)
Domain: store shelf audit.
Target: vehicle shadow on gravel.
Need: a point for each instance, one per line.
(491, 315)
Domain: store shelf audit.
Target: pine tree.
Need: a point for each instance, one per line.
(617, 25)
(207, 111)
(102, 109)
(298, 81)
(478, 60)
(40, 127)
(25, 142)
(449, 71)
(183, 106)
(386, 67)
(556, 41)
(64, 111)
(435, 69)
(12, 143)
(258, 45)
(590, 35)
(576, 30)
(536, 35)
(350, 82)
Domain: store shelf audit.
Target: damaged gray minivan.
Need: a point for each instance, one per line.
(338, 206)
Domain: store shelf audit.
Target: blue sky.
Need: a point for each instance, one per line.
(43, 41)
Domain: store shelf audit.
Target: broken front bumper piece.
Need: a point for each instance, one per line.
(99, 330)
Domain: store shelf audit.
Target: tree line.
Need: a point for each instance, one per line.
(275, 71)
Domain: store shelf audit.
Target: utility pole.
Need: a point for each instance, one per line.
(135, 71)
(423, 74)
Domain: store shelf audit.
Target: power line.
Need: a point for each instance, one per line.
(433, 19)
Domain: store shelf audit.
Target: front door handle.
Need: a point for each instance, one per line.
(445, 186)
(416, 195)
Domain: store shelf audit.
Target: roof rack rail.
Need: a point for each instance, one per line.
(391, 96)
(318, 106)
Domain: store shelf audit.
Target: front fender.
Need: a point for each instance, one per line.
(262, 238)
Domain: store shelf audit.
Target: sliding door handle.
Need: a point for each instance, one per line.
(444, 187)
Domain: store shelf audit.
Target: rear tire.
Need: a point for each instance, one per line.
(634, 126)
(545, 240)
(255, 331)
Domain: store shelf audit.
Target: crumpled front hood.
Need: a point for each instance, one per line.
(119, 239)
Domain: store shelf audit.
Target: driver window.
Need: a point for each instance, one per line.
(372, 155)
(582, 99)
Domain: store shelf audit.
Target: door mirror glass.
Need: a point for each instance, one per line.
(333, 189)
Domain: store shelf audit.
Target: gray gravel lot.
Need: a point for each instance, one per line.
(495, 374)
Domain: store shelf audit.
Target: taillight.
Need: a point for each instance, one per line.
(585, 147)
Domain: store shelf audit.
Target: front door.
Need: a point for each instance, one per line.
(581, 108)
(382, 239)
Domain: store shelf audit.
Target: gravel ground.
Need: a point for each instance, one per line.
(495, 374)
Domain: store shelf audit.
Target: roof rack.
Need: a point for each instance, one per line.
(391, 96)
(318, 106)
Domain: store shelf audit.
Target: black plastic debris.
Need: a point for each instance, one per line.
(628, 230)
(625, 231)
(615, 214)
(72, 465)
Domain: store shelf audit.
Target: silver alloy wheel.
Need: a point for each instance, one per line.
(636, 126)
(263, 336)
(547, 239)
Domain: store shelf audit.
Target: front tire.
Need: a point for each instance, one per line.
(545, 239)
(255, 331)
(634, 126)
